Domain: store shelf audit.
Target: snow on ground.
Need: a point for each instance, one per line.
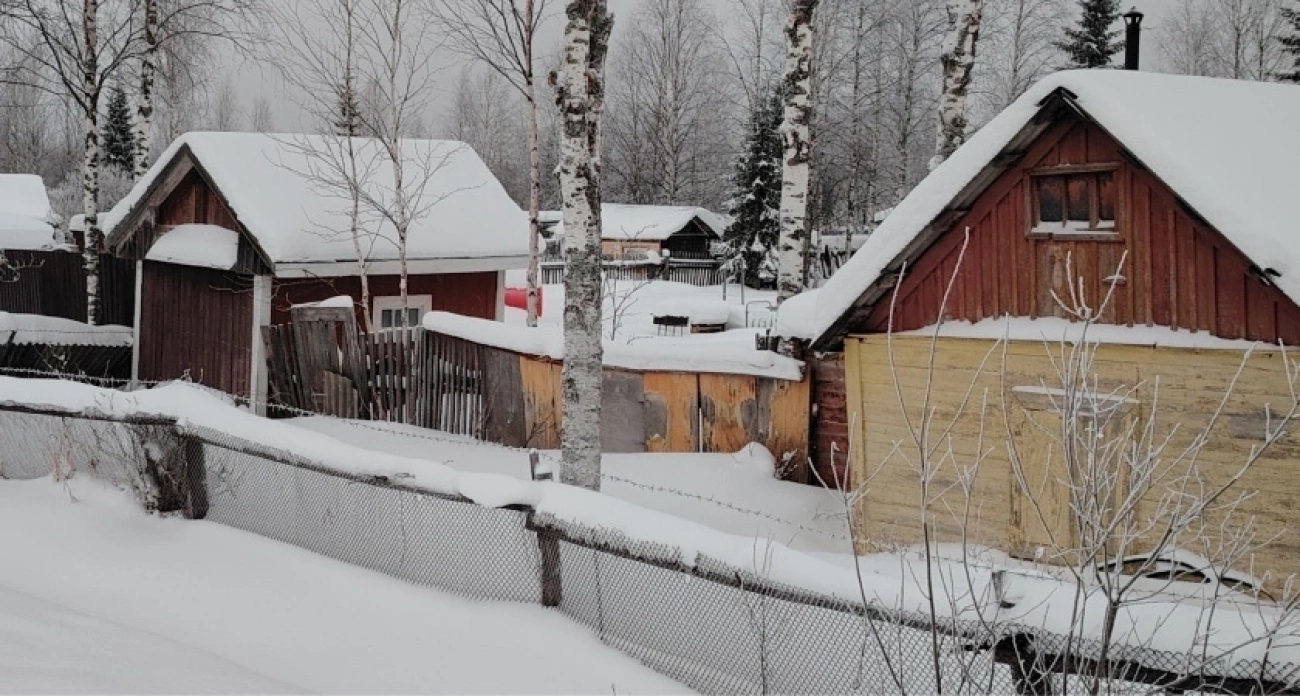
(122, 555)
(733, 493)
(629, 309)
(97, 596)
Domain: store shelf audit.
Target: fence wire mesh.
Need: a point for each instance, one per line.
(708, 624)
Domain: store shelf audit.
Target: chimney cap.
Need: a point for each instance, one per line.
(1133, 16)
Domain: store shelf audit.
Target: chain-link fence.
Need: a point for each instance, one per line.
(710, 625)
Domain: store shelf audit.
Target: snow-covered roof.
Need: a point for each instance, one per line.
(1226, 147)
(651, 223)
(26, 220)
(205, 246)
(283, 191)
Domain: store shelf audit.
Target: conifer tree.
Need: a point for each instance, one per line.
(756, 192)
(119, 133)
(1092, 42)
(1291, 44)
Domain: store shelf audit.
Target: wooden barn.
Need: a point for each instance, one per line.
(228, 231)
(1158, 207)
(668, 230)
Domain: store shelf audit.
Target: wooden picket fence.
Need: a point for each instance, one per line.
(321, 364)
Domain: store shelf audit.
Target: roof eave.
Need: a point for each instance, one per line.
(832, 338)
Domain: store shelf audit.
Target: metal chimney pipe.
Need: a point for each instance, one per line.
(1132, 38)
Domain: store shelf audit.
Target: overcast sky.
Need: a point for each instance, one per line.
(251, 78)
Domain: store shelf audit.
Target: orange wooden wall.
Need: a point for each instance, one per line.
(1178, 271)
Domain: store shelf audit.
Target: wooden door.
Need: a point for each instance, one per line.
(1042, 521)
(1049, 495)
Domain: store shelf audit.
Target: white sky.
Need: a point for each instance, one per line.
(251, 78)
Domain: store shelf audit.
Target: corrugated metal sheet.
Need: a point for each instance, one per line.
(53, 283)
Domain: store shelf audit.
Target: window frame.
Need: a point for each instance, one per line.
(379, 304)
(1095, 230)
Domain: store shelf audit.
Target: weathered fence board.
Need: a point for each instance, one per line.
(729, 409)
(437, 381)
(543, 401)
(672, 402)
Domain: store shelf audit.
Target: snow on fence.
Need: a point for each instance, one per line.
(502, 384)
(689, 609)
(31, 343)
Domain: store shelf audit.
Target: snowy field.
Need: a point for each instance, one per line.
(96, 596)
(733, 493)
(629, 309)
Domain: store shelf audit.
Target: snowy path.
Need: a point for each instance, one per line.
(96, 596)
(733, 493)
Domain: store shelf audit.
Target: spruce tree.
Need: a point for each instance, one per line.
(119, 133)
(756, 193)
(1291, 44)
(348, 116)
(1092, 43)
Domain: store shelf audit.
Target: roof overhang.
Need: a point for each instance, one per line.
(1049, 110)
(343, 268)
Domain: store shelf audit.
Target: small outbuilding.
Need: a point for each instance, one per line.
(1161, 210)
(231, 230)
(668, 230)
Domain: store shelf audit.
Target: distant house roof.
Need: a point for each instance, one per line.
(652, 223)
(284, 193)
(26, 220)
(1226, 147)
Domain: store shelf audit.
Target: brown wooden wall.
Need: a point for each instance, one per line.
(470, 294)
(830, 422)
(1179, 271)
(53, 283)
(193, 201)
(196, 320)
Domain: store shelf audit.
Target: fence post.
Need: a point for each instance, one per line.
(173, 465)
(548, 543)
(1018, 652)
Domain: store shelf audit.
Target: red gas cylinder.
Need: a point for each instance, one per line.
(518, 298)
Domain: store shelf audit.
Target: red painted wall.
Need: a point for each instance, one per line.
(199, 321)
(470, 294)
(1177, 271)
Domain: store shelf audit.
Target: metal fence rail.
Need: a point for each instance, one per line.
(712, 626)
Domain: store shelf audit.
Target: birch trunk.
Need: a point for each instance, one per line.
(144, 104)
(792, 249)
(580, 96)
(534, 168)
(90, 162)
(958, 60)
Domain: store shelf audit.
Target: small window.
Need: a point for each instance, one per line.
(389, 312)
(1074, 203)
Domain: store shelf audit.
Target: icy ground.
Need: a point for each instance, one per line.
(733, 493)
(96, 596)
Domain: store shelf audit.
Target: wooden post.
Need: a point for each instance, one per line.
(548, 543)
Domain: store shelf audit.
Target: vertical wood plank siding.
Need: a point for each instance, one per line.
(54, 284)
(1177, 270)
(470, 294)
(199, 322)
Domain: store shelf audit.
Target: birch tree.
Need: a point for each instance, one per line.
(324, 66)
(76, 51)
(958, 61)
(580, 94)
(792, 248)
(502, 35)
